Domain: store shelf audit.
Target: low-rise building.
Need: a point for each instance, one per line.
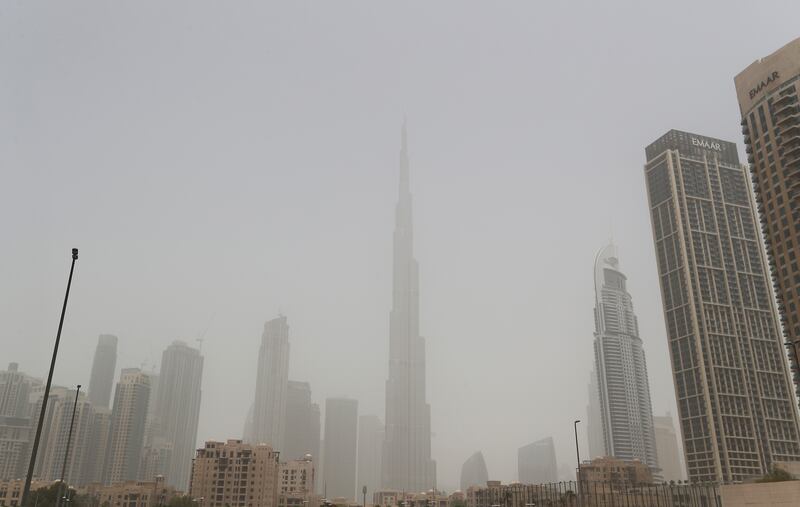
(131, 493)
(11, 491)
(297, 479)
(235, 474)
(615, 472)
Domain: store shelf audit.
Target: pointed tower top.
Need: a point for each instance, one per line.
(405, 186)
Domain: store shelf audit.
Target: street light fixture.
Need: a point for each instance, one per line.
(26, 491)
(578, 455)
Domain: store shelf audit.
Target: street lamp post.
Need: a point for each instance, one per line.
(66, 451)
(27, 489)
(578, 455)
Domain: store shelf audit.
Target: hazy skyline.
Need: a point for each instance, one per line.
(217, 165)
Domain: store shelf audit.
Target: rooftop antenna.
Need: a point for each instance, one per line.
(202, 336)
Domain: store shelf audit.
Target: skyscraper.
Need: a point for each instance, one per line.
(128, 419)
(15, 388)
(15, 438)
(594, 420)
(622, 385)
(407, 463)
(536, 462)
(669, 457)
(103, 366)
(269, 408)
(302, 432)
(370, 447)
(474, 472)
(97, 445)
(59, 429)
(177, 410)
(341, 422)
(768, 93)
(735, 402)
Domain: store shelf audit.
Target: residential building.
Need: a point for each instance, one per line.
(15, 439)
(407, 463)
(11, 491)
(269, 408)
(15, 390)
(152, 493)
(341, 428)
(768, 91)
(536, 462)
(669, 455)
(370, 447)
(735, 400)
(594, 420)
(177, 412)
(622, 384)
(97, 445)
(235, 474)
(128, 419)
(302, 428)
(59, 436)
(474, 472)
(616, 471)
(104, 365)
(297, 483)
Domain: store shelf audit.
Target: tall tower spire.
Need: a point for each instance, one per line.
(406, 463)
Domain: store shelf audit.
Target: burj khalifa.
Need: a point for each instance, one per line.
(407, 464)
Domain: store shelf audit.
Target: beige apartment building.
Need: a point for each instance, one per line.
(297, 479)
(11, 491)
(235, 474)
(768, 92)
(132, 493)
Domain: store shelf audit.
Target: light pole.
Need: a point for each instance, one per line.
(364, 494)
(66, 451)
(27, 489)
(578, 455)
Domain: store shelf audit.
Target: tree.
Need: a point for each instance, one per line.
(46, 497)
(777, 475)
(181, 501)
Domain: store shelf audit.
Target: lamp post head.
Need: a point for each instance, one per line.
(74, 254)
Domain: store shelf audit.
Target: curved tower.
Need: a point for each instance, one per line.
(407, 464)
(622, 385)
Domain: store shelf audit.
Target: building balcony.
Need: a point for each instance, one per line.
(786, 120)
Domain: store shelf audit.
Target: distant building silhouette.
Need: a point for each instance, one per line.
(407, 463)
(370, 448)
(302, 433)
(269, 408)
(669, 455)
(177, 411)
(341, 421)
(128, 419)
(536, 462)
(58, 435)
(16, 434)
(15, 391)
(473, 472)
(104, 364)
(622, 384)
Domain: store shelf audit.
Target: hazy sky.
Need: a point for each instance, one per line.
(220, 162)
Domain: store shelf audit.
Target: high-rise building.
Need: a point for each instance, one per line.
(669, 455)
(341, 422)
(97, 445)
(474, 472)
(536, 462)
(103, 366)
(737, 411)
(619, 363)
(15, 438)
(768, 93)
(370, 447)
(59, 435)
(302, 433)
(269, 408)
(234, 473)
(58, 394)
(177, 411)
(128, 418)
(407, 463)
(15, 389)
(594, 420)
